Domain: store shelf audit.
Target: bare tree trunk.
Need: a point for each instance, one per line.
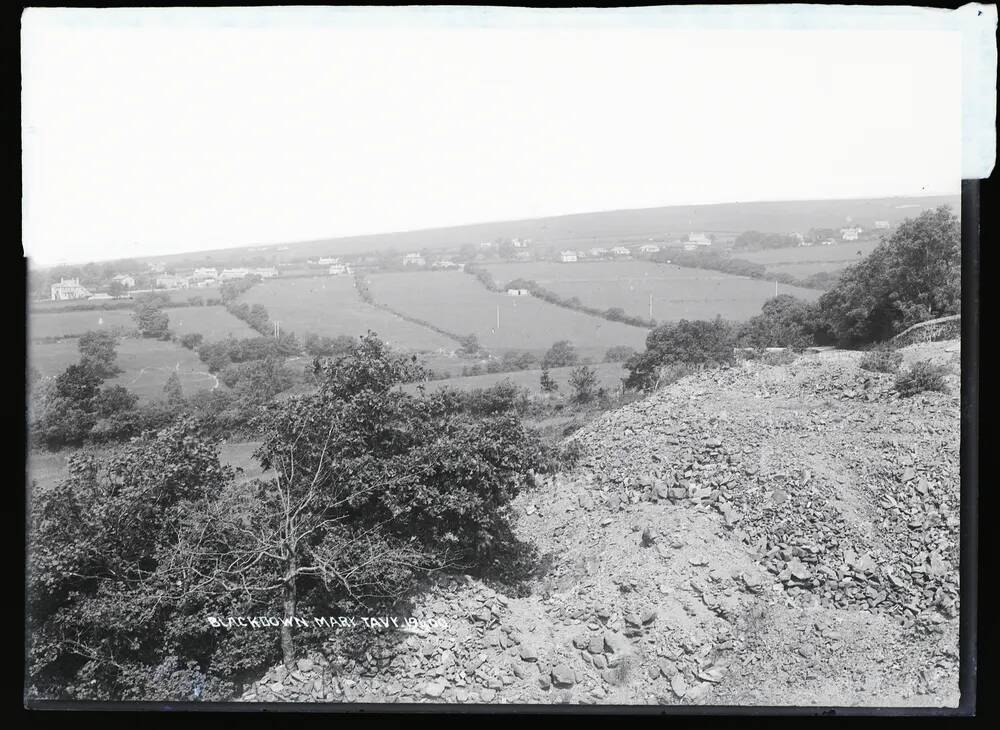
(288, 609)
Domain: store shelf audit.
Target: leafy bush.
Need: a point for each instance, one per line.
(192, 340)
(99, 350)
(561, 354)
(881, 360)
(784, 321)
(619, 353)
(548, 383)
(583, 381)
(922, 376)
(688, 342)
(778, 357)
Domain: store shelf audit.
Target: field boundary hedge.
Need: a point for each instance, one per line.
(365, 292)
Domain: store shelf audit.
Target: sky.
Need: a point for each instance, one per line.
(152, 138)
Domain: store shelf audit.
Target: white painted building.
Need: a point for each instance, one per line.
(518, 293)
(567, 257)
(266, 272)
(328, 260)
(125, 280)
(239, 273)
(620, 251)
(850, 234)
(169, 281)
(68, 289)
(414, 259)
(882, 225)
(338, 270)
(204, 274)
(698, 239)
(649, 248)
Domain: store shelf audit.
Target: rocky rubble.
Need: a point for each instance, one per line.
(762, 535)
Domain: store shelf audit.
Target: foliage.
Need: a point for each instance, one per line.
(320, 346)
(548, 383)
(922, 376)
(561, 354)
(583, 381)
(690, 342)
(150, 318)
(784, 321)
(98, 350)
(172, 390)
(912, 276)
(619, 353)
(192, 340)
(881, 360)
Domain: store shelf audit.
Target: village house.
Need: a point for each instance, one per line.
(698, 239)
(850, 234)
(125, 280)
(169, 281)
(567, 257)
(649, 248)
(882, 225)
(522, 255)
(338, 269)
(69, 289)
(328, 260)
(518, 292)
(620, 251)
(204, 274)
(100, 295)
(444, 264)
(598, 252)
(266, 272)
(413, 259)
(520, 242)
(827, 242)
(239, 273)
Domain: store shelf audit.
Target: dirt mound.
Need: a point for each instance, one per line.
(755, 535)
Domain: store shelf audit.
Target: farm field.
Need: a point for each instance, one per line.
(64, 324)
(677, 292)
(458, 303)
(330, 305)
(215, 323)
(146, 364)
(609, 375)
(833, 257)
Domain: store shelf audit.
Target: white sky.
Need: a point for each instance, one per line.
(155, 138)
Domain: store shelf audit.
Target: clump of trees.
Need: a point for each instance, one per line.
(150, 318)
(784, 321)
(99, 351)
(561, 354)
(912, 276)
(755, 240)
(366, 489)
(321, 346)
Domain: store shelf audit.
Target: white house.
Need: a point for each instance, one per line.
(518, 292)
(827, 242)
(849, 234)
(520, 242)
(125, 280)
(240, 273)
(620, 251)
(598, 252)
(100, 295)
(204, 274)
(444, 264)
(698, 239)
(567, 257)
(805, 242)
(169, 281)
(327, 260)
(649, 248)
(267, 272)
(414, 259)
(69, 289)
(882, 225)
(338, 269)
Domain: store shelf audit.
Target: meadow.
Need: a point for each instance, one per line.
(675, 292)
(215, 323)
(458, 303)
(330, 305)
(146, 365)
(824, 258)
(43, 324)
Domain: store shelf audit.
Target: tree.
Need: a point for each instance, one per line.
(561, 354)
(173, 391)
(583, 380)
(98, 350)
(619, 353)
(469, 345)
(192, 340)
(912, 276)
(151, 320)
(116, 289)
(784, 321)
(548, 383)
(696, 342)
(372, 487)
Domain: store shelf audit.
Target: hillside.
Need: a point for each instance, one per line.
(601, 227)
(765, 534)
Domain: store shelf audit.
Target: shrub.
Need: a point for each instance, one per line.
(548, 383)
(583, 381)
(784, 321)
(881, 360)
(561, 354)
(619, 353)
(697, 342)
(779, 357)
(191, 340)
(922, 376)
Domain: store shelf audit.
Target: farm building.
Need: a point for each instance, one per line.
(69, 289)
(520, 242)
(267, 272)
(328, 260)
(518, 292)
(414, 259)
(169, 281)
(649, 248)
(567, 257)
(228, 274)
(338, 269)
(697, 239)
(100, 295)
(204, 274)
(882, 225)
(620, 251)
(125, 280)
(444, 264)
(598, 252)
(850, 234)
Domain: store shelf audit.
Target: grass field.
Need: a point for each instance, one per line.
(609, 375)
(458, 303)
(63, 324)
(676, 292)
(330, 305)
(146, 364)
(215, 323)
(832, 257)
